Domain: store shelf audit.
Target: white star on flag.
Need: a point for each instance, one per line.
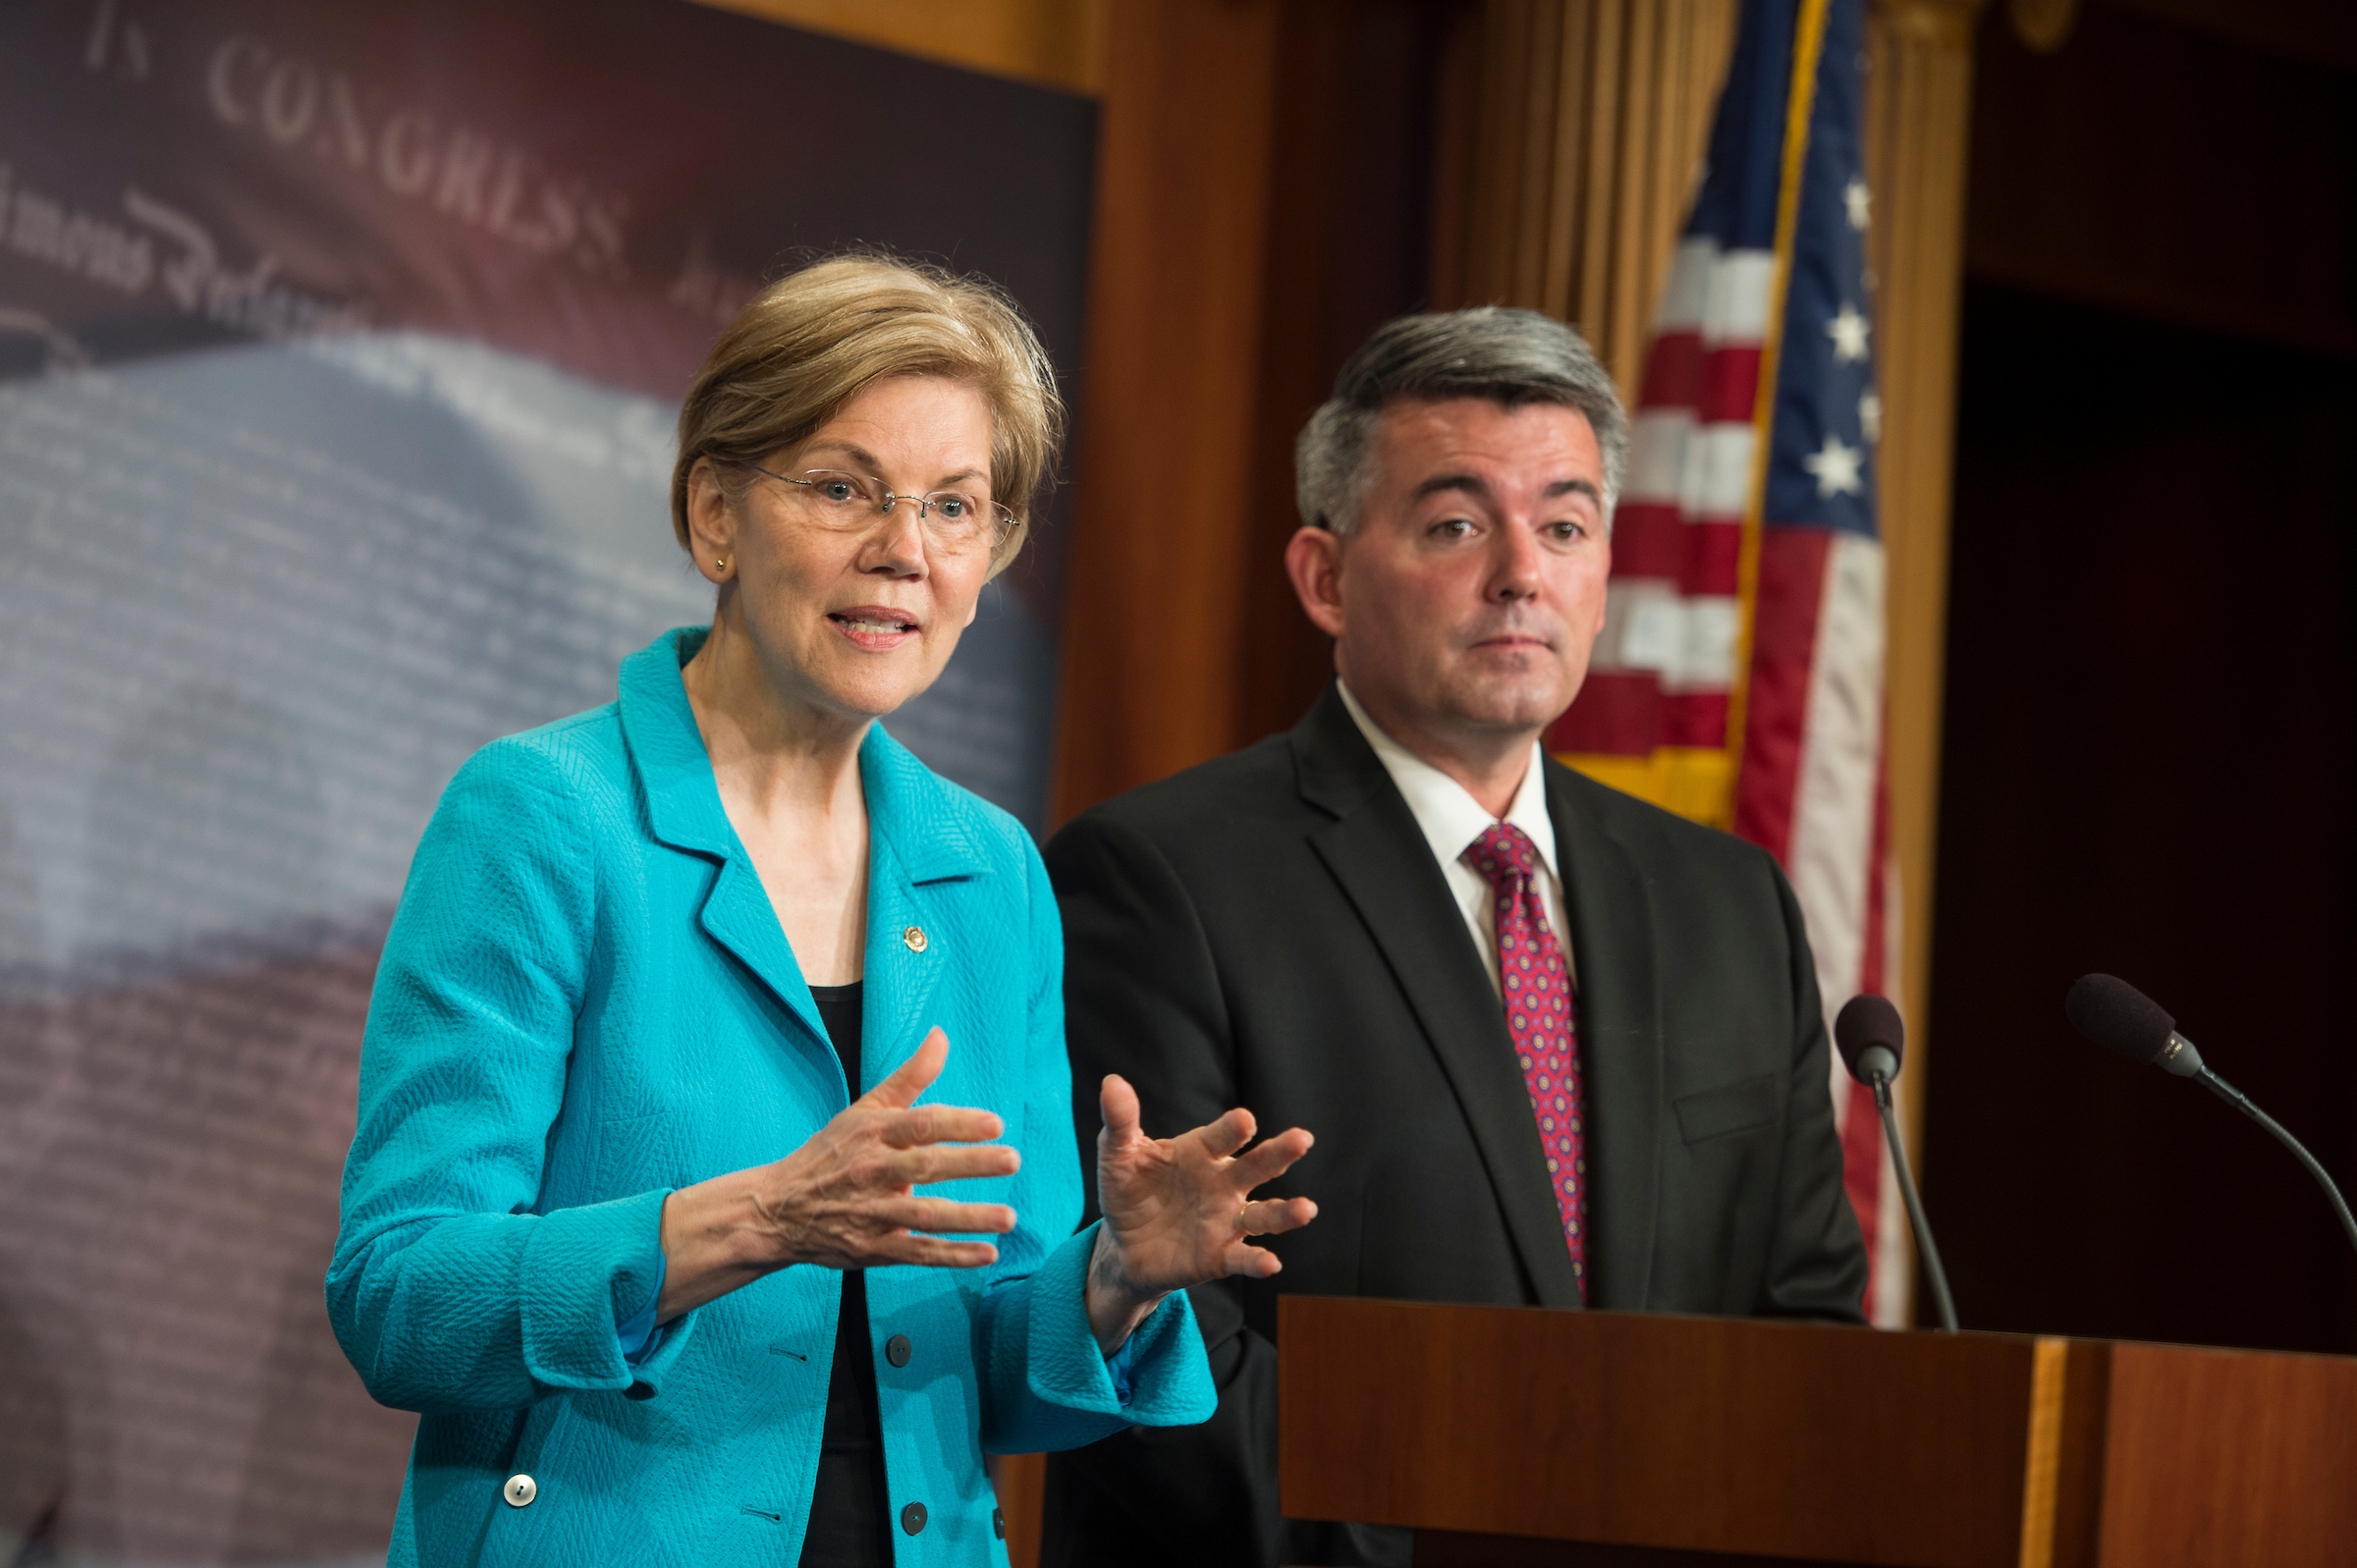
(1837, 468)
(1848, 332)
(1870, 419)
(1860, 205)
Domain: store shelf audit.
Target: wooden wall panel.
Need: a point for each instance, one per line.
(1352, 192)
(1262, 196)
(1166, 411)
(2234, 212)
(1061, 42)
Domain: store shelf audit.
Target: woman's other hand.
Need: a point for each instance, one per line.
(1178, 1210)
(844, 1199)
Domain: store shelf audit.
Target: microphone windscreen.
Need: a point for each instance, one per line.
(2111, 1013)
(1865, 1021)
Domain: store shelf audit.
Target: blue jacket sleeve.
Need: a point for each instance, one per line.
(1045, 1385)
(448, 1289)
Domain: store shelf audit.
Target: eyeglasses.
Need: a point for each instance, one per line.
(848, 503)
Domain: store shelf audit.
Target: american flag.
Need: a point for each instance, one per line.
(1739, 678)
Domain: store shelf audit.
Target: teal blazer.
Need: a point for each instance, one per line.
(586, 1002)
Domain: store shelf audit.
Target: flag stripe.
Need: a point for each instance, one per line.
(1649, 540)
(1618, 714)
(1694, 718)
(1728, 383)
(1791, 586)
(1830, 854)
(1891, 1294)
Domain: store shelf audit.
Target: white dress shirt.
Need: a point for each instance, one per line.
(1452, 820)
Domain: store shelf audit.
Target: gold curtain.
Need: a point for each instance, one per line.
(1594, 117)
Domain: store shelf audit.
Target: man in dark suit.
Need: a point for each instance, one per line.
(1556, 1047)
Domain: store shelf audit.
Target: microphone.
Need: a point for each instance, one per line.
(2113, 1013)
(1872, 1040)
(2116, 1015)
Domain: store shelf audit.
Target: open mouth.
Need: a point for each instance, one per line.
(877, 628)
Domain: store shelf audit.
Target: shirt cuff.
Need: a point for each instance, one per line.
(639, 1335)
(1116, 1367)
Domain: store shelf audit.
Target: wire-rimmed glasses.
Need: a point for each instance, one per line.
(850, 503)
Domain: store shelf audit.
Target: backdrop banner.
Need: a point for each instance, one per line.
(340, 351)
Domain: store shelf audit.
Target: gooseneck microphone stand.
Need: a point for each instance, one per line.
(1915, 1214)
(2242, 1103)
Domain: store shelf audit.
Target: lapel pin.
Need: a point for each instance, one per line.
(914, 936)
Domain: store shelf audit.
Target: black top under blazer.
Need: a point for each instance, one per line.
(1271, 930)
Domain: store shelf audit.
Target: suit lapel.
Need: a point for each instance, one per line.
(1380, 858)
(899, 986)
(683, 811)
(920, 843)
(1619, 1042)
(739, 915)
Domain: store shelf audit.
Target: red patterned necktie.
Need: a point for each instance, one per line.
(1539, 1016)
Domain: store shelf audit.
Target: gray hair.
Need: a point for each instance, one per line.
(1509, 357)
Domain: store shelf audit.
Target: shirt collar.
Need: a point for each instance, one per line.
(1451, 819)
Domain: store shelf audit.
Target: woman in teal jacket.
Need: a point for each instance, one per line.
(711, 1017)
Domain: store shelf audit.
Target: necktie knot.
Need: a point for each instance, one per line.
(1503, 855)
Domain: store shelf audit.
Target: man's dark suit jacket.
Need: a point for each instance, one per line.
(1271, 930)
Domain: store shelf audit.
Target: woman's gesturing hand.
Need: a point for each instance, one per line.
(844, 1200)
(1178, 1211)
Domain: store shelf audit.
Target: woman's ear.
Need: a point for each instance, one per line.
(711, 523)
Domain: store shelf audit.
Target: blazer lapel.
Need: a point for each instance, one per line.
(1619, 1043)
(1383, 865)
(683, 811)
(919, 841)
(739, 915)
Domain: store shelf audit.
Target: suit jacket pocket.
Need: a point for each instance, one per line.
(1728, 1110)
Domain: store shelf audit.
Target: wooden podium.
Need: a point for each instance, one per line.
(1507, 1437)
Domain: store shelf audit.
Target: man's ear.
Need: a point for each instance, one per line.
(711, 523)
(1313, 560)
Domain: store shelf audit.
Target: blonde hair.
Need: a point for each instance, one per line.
(815, 338)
